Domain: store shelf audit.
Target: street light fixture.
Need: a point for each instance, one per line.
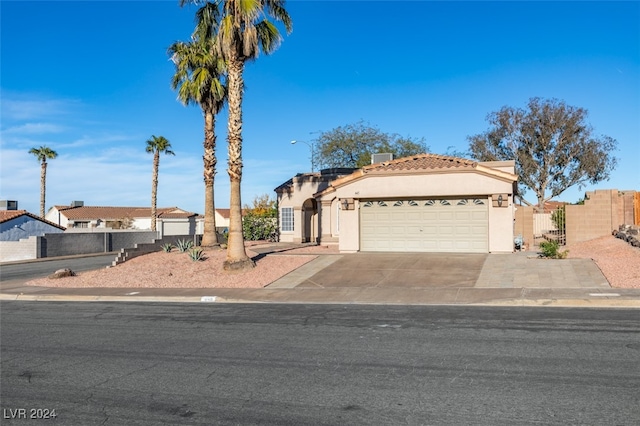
(310, 145)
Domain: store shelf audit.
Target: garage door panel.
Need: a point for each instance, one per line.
(425, 225)
(446, 215)
(480, 215)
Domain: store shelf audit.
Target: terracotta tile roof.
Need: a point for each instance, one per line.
(421, 162)
(92, 213)
(418, 163)
(7, 215)
(224, 213)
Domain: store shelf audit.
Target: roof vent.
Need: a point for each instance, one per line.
(8, 205)
(77, 204)
(383, 157)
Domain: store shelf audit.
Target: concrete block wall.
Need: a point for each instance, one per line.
(602, 212)
(626, 207)
(67, 244)
(70, 244)
(598, 216)
(523, 224)
(25, 249)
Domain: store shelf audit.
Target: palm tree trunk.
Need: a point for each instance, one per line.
(154, 189)
(210, 236)
(237, 258)
(43, 186)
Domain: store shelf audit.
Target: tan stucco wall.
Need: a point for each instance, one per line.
(303, 189)
(501, 221)
(350, 230)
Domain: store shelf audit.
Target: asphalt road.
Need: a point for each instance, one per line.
(43, 268)
(241, 364)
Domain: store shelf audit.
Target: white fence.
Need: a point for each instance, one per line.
(542, 224)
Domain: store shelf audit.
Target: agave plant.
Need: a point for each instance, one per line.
(184, 245)
(167, 247)
(196, 254)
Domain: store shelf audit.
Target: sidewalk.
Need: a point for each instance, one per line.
(501, 280)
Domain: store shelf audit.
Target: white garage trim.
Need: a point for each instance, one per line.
(458, 225)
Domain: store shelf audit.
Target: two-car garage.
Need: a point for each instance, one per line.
(421, 203)
(425, 225)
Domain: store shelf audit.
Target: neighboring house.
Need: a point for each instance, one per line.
(16, 225)
(20, 234)
(170, 221)
(222, 219)
(423, 203)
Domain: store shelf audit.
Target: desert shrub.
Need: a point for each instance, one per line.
(256, 227)
(551, 250)
(167, 247)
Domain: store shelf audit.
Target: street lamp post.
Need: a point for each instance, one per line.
(310, 145)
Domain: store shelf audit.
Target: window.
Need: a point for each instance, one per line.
(81, 224)
(286, 219)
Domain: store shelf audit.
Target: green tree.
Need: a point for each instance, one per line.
(199, 80)
(552, 144)
(42, 154)
(353, 144)
(155, 146)
(263, 206)
(245, 29)
(260, 220)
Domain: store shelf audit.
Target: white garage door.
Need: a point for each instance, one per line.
(433, 225)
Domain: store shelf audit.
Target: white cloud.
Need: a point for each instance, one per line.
(34, 129)
(34, 107)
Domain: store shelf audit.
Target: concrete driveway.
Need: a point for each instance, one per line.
(443, 270)
(397, 270)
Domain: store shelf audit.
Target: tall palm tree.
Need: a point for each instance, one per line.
(43, 153)
(155, 146)
(243, 32)
(198, 79)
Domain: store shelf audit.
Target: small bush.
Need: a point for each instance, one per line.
(184, 245)
(256, 228)
(167, 247)
(551, 250)
(196, 254)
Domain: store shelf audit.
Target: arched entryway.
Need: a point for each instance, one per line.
(310, 221)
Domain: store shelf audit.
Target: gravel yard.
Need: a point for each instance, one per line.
(618, 261)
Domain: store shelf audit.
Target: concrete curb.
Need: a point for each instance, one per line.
(608, 302)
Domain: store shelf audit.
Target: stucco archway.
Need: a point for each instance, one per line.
(310, 221)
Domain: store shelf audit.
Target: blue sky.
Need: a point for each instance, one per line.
(90, 80)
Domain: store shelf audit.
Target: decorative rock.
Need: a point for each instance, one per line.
(62, 273)
(628, 233)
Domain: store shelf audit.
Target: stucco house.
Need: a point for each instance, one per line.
(170, 221)
(16, 225)
(422, 203)
(20, 233)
